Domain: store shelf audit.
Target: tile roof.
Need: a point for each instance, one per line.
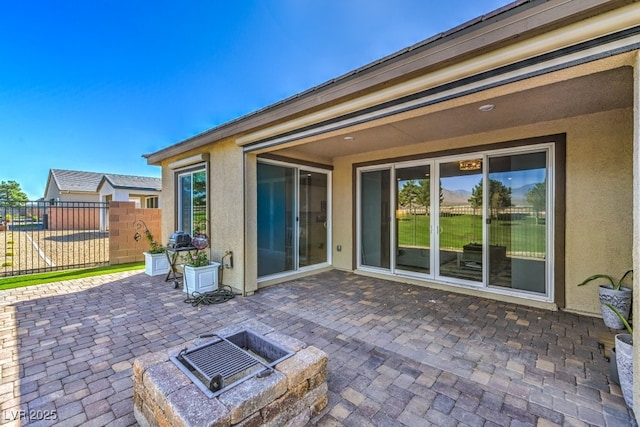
(133, 181)
(68, 180)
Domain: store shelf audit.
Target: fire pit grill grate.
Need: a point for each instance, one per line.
(225, 362)
(220, 358)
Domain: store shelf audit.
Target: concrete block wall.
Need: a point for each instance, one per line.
(125, 220)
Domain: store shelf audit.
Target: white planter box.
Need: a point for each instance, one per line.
(200, 279)
(155, 264)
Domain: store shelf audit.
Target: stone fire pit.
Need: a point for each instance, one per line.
(293, 393)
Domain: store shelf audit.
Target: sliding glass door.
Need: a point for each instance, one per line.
(292, 218)
(375, 219)
(413, 219)
(490, 230)
(276, 219)
(460, 225)
(517, 221)
(312, 236)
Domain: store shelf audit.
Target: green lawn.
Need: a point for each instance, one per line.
(523, 235)
(57, 276)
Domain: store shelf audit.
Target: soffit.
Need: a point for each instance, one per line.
(602, 91)
(518, 22)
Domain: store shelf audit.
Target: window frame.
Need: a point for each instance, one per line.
(155, 201)
(553, 146)
(178, 174)
(297, 167)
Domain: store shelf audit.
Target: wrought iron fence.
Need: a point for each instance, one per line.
(39, 236)
(521, 230)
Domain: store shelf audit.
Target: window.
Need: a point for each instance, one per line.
(152, 202)
(192, 200)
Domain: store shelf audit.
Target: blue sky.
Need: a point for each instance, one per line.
(94, 85)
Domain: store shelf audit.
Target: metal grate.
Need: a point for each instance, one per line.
(220, 358)
(225, 362)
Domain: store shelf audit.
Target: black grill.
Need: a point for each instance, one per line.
(227, 361)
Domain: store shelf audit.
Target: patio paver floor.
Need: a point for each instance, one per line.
(398, 354)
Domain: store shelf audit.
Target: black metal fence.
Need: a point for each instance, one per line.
(39, 236)
(521, 230)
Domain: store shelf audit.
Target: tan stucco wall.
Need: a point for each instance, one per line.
(598, 201)
(227, 210)
(226, 205)
(599, 204)
(250, 263)
(169, 202)
(79, 197)
(636, 226)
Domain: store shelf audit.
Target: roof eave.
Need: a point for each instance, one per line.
(402, 64)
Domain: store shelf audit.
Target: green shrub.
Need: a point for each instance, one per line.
(7, 263)
(9, 253)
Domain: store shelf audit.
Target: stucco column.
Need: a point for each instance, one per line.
(636, 234)
(251, 224)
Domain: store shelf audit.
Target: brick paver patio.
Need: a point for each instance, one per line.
(398, 354)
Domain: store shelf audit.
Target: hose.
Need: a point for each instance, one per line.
(223, 294)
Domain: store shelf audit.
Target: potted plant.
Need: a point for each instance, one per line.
(615, 294)
(624, 357)
(200, 274)
(155, 260)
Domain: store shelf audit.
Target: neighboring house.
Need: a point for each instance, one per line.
(144, 191)
(78, 186)
(524, 125)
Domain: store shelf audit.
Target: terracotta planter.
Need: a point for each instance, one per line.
(200, 279)
(155, 264)
(624, 360)
(620, 299)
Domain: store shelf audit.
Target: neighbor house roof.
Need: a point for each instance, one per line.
(76, 181)
(90, 182)
(132, 182)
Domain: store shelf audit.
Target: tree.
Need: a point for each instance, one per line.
(537, 198)
(11, 193)
(424, 192)
(417, 194)
(408, 195)
(499, 196)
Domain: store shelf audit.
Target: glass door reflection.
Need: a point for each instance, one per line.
(312, 233)
(517, 227)
(413, 219)
(276, 219)
(460, 220)
(375, 222)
